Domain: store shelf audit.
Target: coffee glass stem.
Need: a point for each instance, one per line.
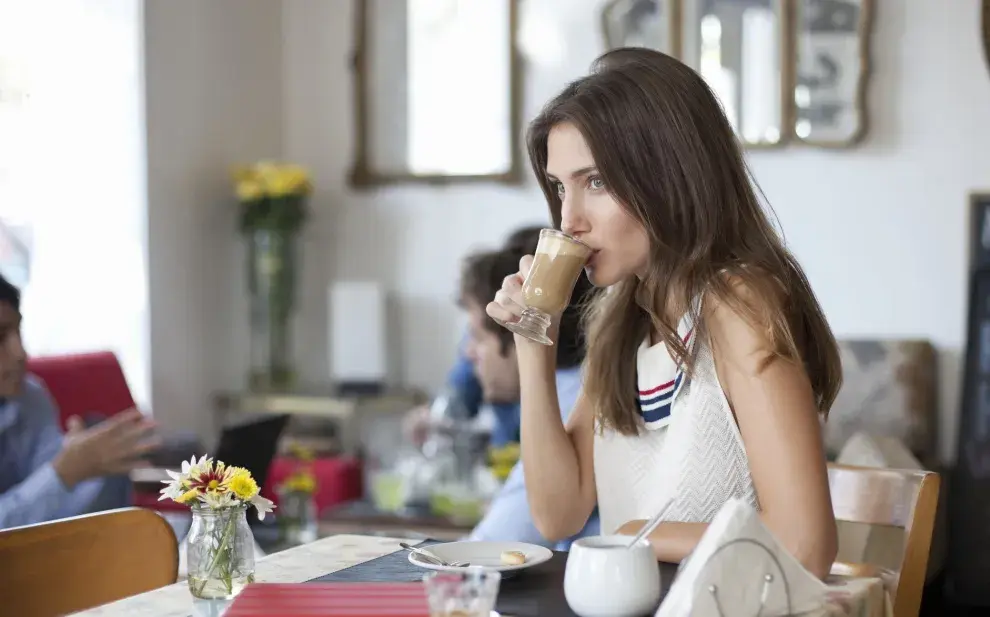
(533, 325)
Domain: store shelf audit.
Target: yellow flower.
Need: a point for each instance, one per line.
(188, 496)
(270, 179)
(286, 182)
(300, 482)
(302, 452)
(298, 178)
(508, 453)
(241, 484)
(278, 186)
(241, 172)
(250, 190)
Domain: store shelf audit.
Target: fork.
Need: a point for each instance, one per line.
(432, 557)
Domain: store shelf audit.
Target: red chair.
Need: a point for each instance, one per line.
(84, 383)
(339, 479)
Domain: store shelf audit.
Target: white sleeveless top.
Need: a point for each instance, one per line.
(689, 445)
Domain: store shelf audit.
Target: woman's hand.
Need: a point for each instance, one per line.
(508, 304)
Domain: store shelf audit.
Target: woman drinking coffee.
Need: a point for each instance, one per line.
(709, 363)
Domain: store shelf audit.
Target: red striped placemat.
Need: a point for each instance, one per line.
(330, 600)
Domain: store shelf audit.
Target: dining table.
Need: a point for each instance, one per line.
(365, 558)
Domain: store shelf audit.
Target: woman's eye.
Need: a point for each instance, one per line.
(559, 187)
(596, 183)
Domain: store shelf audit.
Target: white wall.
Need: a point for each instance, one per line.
(880, 229)
(214, 96)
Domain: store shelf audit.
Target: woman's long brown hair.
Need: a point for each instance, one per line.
(667, 153)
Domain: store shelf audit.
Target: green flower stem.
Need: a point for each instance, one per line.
(271, 283)
(225, 575)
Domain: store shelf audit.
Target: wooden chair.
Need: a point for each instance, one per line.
(893, 497)
(72, 564)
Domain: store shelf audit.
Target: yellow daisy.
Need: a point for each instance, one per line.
(240, 483)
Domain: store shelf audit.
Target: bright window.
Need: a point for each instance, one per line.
(72, 176)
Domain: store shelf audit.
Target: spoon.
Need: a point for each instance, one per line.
(650, 525)
(432, 557)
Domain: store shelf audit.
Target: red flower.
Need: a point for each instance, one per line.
(210, 480)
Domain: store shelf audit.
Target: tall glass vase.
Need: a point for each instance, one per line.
(271, 284)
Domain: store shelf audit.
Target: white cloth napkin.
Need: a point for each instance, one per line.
(731, 557)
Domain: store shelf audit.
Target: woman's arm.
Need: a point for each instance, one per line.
(672, 542)
(776, 413)
(777, 416)
(558, 461)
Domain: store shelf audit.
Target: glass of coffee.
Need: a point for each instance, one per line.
(547, 289)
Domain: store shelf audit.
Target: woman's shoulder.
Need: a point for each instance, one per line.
(743, 297)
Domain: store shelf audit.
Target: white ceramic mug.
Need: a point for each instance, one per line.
(605, 579)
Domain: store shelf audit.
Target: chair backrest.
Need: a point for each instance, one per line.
(84, 383)
(73, 564)
(897, 498)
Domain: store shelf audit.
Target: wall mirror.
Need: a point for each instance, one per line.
(641, 23)
(738, 46)
(784, 70)
(436, 92)
(986, 30)
(831, 57)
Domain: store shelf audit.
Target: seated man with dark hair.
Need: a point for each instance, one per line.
(491, 350)
(45, 475)
(463, 382)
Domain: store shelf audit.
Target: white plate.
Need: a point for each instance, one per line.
(485, 554)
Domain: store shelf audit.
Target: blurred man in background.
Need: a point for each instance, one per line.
(463, 382)
(45, 474)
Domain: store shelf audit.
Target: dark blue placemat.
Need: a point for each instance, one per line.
(534, 591)
(390, 568)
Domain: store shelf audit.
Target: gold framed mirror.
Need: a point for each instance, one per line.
(784, 70)
(985, 29)
(740, 48)
(642, 23)
(436, 92)
(831, 57)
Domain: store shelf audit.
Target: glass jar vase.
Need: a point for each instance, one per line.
(220, 552)
(297, 517)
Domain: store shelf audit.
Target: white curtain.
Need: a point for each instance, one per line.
(72, 174)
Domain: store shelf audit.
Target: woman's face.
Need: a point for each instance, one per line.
(590, 213)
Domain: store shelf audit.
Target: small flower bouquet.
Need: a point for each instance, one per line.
(295, 493)
(302, 479)
(220, 545)
(272, 195)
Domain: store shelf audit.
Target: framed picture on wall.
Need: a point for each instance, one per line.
(969, 485)
(969, 496)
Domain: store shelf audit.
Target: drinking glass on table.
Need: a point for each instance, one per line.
(557, 264)
(471, 593)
